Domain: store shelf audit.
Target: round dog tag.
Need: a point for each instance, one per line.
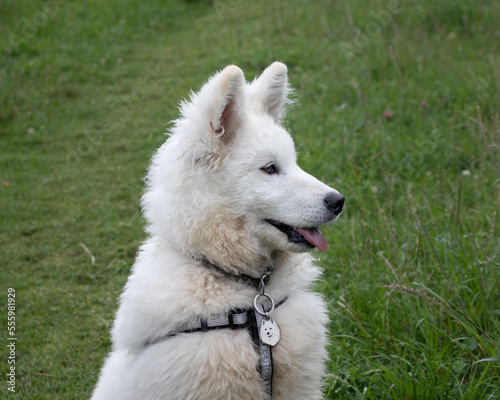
(269, 332)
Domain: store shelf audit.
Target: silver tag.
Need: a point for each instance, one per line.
(269, 332)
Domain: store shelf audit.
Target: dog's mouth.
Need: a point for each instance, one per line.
(310, 236)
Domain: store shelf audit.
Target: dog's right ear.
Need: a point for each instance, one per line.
(226, 96)
(270, 91)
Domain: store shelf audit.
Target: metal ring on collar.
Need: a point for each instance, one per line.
(264, 313)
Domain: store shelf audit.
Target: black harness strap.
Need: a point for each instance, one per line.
(265, 366)
(236, 319)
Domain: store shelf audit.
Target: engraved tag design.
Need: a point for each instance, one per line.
(269, 332)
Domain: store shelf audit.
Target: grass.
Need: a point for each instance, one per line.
(411, 277)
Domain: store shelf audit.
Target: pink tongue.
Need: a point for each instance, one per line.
(314, 236)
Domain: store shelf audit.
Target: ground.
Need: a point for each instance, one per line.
(398, 106)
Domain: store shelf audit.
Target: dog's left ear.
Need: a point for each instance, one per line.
(228, 86)
(270, 91)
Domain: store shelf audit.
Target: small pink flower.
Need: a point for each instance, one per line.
(388, 115)
(424, 104)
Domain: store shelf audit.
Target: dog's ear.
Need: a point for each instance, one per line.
(228, 90)
(270, 91)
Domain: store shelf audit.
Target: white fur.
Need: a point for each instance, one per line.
(208, 197)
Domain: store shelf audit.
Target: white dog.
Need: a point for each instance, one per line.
(217, 306)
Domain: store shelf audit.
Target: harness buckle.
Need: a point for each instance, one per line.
(204, 325)
(231, 321)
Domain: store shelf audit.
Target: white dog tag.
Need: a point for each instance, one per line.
(269, 332)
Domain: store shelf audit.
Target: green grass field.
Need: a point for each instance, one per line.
(412, 274)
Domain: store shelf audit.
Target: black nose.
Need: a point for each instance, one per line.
(335, 201)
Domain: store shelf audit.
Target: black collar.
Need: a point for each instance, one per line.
(238, 277)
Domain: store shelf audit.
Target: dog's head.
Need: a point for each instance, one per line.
(226, 185)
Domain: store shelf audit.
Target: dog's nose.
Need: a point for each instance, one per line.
(335, 201)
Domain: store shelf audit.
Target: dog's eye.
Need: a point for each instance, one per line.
(270, 169)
